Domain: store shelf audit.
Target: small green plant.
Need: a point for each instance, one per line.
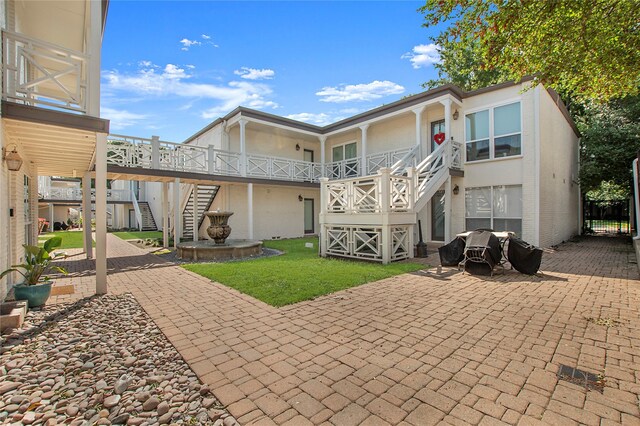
(38, 262)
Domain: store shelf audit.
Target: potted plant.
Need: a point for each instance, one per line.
(36, 287)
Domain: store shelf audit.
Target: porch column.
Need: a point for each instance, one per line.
(243, 147)
(87, 241)
(94, 45)
(196, 219)
(250, 211)
(101, 213)
(165, 214)
(323, 139)
(363, 166)
(447, 210)
(51, 218)
(177, 220)
(418, 113)
(447, 118)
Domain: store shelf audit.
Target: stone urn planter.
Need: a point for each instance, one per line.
(218, 229)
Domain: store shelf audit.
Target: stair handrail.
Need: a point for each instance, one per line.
(401, 165)
(186, 191)
(136, 208)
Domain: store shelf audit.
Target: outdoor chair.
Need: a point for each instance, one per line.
(524, 257)
(453, 253)
(482, 252)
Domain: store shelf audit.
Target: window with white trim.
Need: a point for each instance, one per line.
(494, 207)
(493, 133)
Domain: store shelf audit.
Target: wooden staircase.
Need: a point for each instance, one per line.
(206, 195)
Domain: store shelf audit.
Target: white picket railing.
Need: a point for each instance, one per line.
(36, 72)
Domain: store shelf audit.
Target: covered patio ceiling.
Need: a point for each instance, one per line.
(53, 150)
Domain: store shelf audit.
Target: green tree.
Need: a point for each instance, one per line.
(609, 143)
(587, 48)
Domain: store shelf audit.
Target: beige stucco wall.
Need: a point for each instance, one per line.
(277, 211)
(559, 192)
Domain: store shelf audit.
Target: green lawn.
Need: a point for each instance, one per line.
(297, 275)
(138, 235)
(70, 239)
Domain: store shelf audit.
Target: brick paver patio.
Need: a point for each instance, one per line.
(415, 349)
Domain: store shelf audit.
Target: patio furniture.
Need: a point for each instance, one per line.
(482, 252)
(453, 253)
(524, 257)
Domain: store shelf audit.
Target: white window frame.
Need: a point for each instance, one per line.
(492, 136)
(342, 144)
(492, 206)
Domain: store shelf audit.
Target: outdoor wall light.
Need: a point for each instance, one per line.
(13, 159)
(297, 147)
(456, 114)
(300, 198)
(456, 190)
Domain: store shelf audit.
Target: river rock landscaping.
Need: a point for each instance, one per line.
(99, 361)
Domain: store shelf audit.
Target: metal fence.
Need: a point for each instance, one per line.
(606, 217)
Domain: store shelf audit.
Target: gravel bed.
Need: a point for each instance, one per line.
(99, 361)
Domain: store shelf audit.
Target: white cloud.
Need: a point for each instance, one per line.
(186, 43)
(359, 92)
(174, 81)
(206, 37)
(121, 119)
(255, 74)
(423, 55)
(309, 117)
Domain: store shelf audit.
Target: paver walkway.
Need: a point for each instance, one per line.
(415, 349)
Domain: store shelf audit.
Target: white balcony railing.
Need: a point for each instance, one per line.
(75, 194)
(42, 74)
(380, 193)
(127, 151)
(343, 169)
(387, 159)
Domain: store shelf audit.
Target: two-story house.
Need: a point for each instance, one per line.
(501, 157)
(49, 124)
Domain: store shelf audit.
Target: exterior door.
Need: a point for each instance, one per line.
(308, 155)
(347, 151)
(437, 216)
(308, 216)
(436, 127)
(132, 218)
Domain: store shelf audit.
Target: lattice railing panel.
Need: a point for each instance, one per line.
(400, 242)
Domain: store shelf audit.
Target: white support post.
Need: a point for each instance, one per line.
(447, 118)
(196, 219)
(447, 210)
(177, 220)
(363, 166)
(243, 147)
(323, 139)
(87, 241)
(155, 152)
(211, 159)
(51, 218)
(323, 211)
(101, 213)
(385, 209)
(165, 214)
(94, 46)
(418, 113)
(250, 211)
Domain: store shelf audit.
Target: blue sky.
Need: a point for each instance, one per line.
(171, 68)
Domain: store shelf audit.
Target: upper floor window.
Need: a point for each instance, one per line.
(493, 133)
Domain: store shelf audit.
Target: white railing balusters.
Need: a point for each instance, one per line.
(36, 72)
